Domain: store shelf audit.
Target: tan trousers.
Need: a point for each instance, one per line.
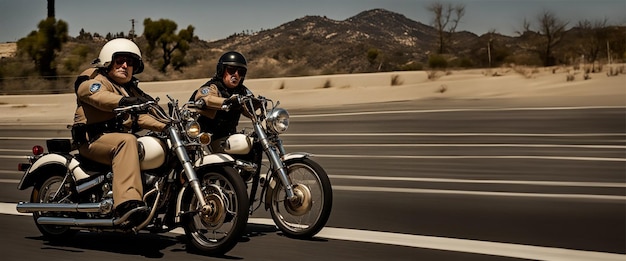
(120, 150)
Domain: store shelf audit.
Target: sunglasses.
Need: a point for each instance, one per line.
(232, 70)
(125, 59)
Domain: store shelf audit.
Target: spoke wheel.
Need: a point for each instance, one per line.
(51, 191)
(306, 215)
(216, 228)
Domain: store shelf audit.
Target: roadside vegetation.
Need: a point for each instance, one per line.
(48, 59)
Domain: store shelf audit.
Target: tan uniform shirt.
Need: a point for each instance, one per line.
(212, 98)
(98, 97)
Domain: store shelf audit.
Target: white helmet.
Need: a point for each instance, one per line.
(119, 46)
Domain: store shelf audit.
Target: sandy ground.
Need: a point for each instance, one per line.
(7, 49)
(542, 84)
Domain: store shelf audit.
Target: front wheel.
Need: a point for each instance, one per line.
(306, 216)
(216, 230)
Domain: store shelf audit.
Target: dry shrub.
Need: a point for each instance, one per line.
(433, 75)
(327, 84)
(442, 88)
(395, 80)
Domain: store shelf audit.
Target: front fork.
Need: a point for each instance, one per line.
(180, 151)
(274, 158)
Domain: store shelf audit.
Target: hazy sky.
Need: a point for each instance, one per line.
(215, 20)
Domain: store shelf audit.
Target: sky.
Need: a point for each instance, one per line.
(214, 20)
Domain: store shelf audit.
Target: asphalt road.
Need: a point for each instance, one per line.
(428, 180)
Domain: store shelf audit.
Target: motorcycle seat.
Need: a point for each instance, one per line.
(92, 167)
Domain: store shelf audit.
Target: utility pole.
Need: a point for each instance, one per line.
(131, 34)
(489, 50)
(608, 51)
(50, 8)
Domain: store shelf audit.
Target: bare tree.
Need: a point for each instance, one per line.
(446, 19)
(593, 38)
(550, 32)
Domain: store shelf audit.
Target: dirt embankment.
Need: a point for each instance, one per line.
(550, 86)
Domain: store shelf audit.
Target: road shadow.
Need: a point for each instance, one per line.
(142, 244)
(258, 230)
(146, 244)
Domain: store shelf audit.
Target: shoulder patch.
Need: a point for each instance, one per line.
(95, 87)
(204, 91)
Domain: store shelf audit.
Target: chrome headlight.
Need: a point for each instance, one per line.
(278, 120)
(193, 129)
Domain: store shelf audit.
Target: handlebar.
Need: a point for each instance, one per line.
(137, 108)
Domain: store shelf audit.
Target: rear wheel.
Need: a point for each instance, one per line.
(51, 190)
(216, 229)
(308, 214)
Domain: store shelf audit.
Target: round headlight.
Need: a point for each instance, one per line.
(278, 120)
(204, 138)
(193, 129)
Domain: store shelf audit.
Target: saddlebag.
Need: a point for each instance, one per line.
(61, 146)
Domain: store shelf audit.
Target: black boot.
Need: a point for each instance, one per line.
(138, 212)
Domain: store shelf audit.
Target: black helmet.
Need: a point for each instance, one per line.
(231, 58)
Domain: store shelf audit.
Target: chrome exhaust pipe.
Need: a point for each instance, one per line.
(59, 221)
(102, 207)
(84, 222)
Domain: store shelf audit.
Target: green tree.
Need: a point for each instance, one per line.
(161, 34)
(40, 46)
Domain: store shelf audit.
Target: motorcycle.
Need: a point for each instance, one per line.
(186, 188)
(295, 189)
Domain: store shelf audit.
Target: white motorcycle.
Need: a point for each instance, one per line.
(295, 189)
(184, 187)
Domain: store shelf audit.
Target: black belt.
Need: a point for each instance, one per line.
(94, 130)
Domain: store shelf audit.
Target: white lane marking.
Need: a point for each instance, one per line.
(438, 180)
(457, 134)
(13, 157)
(32, 138)
(468, 245)
(497, 145)
(456, 110)
(15, 150)
(430, 242)
(481, 193)
(11, 172)
(401, 134)
(486, 181)
(468, 192)
(471, 157)
(9, 209)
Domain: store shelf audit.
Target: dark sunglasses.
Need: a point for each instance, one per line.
(232, 70)
(125, 59)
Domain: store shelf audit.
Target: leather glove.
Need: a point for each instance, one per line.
(128, 101)
(232, 100)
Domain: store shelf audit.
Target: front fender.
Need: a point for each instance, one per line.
(47, 161)
(296, 155)
(217, 158)
(211, 159)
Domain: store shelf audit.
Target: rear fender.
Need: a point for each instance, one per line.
(50, 162)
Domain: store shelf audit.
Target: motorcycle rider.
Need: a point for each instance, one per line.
(103, 137)
(217, 117)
